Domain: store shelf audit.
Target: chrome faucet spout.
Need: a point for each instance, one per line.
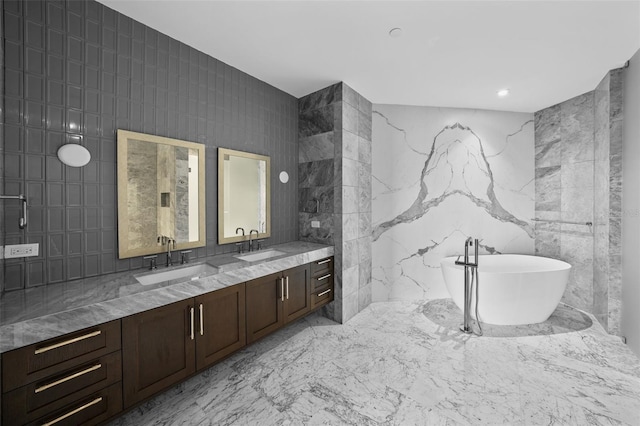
(250, 240)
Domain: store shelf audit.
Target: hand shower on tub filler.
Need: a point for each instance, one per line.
(470, 275)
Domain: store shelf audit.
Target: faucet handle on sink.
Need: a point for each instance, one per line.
(152, 263)
(184, 257)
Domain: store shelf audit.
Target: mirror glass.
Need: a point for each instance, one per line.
(244, 195)
(161, 193)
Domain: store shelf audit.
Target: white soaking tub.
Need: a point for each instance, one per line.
(514, 289)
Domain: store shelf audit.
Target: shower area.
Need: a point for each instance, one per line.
(519, 182)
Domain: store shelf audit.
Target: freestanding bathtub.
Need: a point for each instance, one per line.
(514, 289)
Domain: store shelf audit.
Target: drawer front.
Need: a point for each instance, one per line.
(322, 267)
(322, 281)
(39, 398)
(92, 410)
(321, 296)
(37, 362)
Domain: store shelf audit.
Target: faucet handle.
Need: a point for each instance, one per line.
(259, 244)
(152, 262)
(240, 247)
(184, 256)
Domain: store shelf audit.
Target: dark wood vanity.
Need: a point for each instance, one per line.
(92, 375)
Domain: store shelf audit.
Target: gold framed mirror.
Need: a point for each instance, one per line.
(161, 192)
(244, 195)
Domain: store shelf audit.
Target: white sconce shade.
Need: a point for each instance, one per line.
(284, 177)
(74, 155)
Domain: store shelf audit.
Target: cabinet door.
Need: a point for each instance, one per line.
(264, 306)
(221, 325)
(157, 350)
(297, 299)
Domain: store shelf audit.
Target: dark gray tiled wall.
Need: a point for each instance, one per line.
(75, 72)
(1, 151)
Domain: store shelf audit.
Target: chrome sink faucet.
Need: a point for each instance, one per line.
(250, 240)
(162, 239)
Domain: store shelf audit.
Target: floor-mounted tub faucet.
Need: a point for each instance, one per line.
(469, 267)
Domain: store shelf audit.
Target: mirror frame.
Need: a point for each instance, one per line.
(237, 238)
(123, 137)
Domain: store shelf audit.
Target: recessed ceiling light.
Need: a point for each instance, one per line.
(502, 93)
(395, 32)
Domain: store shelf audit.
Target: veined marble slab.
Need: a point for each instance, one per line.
(441, 175)
(33, 315)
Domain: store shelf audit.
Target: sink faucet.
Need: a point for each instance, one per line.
(250, 240)
(168, 241)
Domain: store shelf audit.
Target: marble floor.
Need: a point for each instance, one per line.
(403, 363)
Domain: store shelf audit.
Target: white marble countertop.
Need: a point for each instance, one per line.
(33, 315)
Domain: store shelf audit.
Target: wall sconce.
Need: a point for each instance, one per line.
(284, 177)
(74, 155)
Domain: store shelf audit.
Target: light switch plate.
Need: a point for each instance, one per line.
(315, 224)
(21, 250)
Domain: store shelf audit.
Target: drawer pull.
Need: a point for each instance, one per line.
(322, 262)
(324, 277)
(72, 412)
(68, 342)
(282, 289)
(324, 292)
(66, 379)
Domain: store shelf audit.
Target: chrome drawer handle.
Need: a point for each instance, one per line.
(287, 286)
(282, 289)
(201, 320)
(324, 277)
(66, 379)
(72, 412)
(322, 262)
(324, 292)
(68, 342)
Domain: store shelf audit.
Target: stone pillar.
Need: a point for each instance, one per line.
(334, 177)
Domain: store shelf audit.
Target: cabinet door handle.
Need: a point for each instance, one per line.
(72, 412)
(70, 377)
(201, 320)
(193, 325)
(324, 277)
(68, 342)
(322, 262)
(287, 285)
(324, 292)
(281, 289)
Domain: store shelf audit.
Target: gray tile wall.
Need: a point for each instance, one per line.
(335, 189)
(579, 179)
(1, 152)
(75, 72)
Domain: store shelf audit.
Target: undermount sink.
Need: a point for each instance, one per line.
(259, 255)
(188, 273)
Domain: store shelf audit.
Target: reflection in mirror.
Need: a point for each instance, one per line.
(244, 196)
(160, 193)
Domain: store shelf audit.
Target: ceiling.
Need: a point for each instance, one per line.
(450, 53)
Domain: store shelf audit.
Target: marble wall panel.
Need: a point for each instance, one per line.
(440, 175)
(317, 147)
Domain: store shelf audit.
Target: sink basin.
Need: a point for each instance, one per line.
(260, 255)
(188, 273)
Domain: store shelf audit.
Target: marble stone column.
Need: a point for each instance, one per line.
(334, 174)
(579, 180)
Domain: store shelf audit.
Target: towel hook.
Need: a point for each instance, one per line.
(23, 220)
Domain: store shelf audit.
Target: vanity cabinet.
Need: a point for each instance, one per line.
(277, 299)
(165, 345)
(322, 284)
(74, 379)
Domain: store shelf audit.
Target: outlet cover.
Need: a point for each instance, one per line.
(315, 224)
(21, 250)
